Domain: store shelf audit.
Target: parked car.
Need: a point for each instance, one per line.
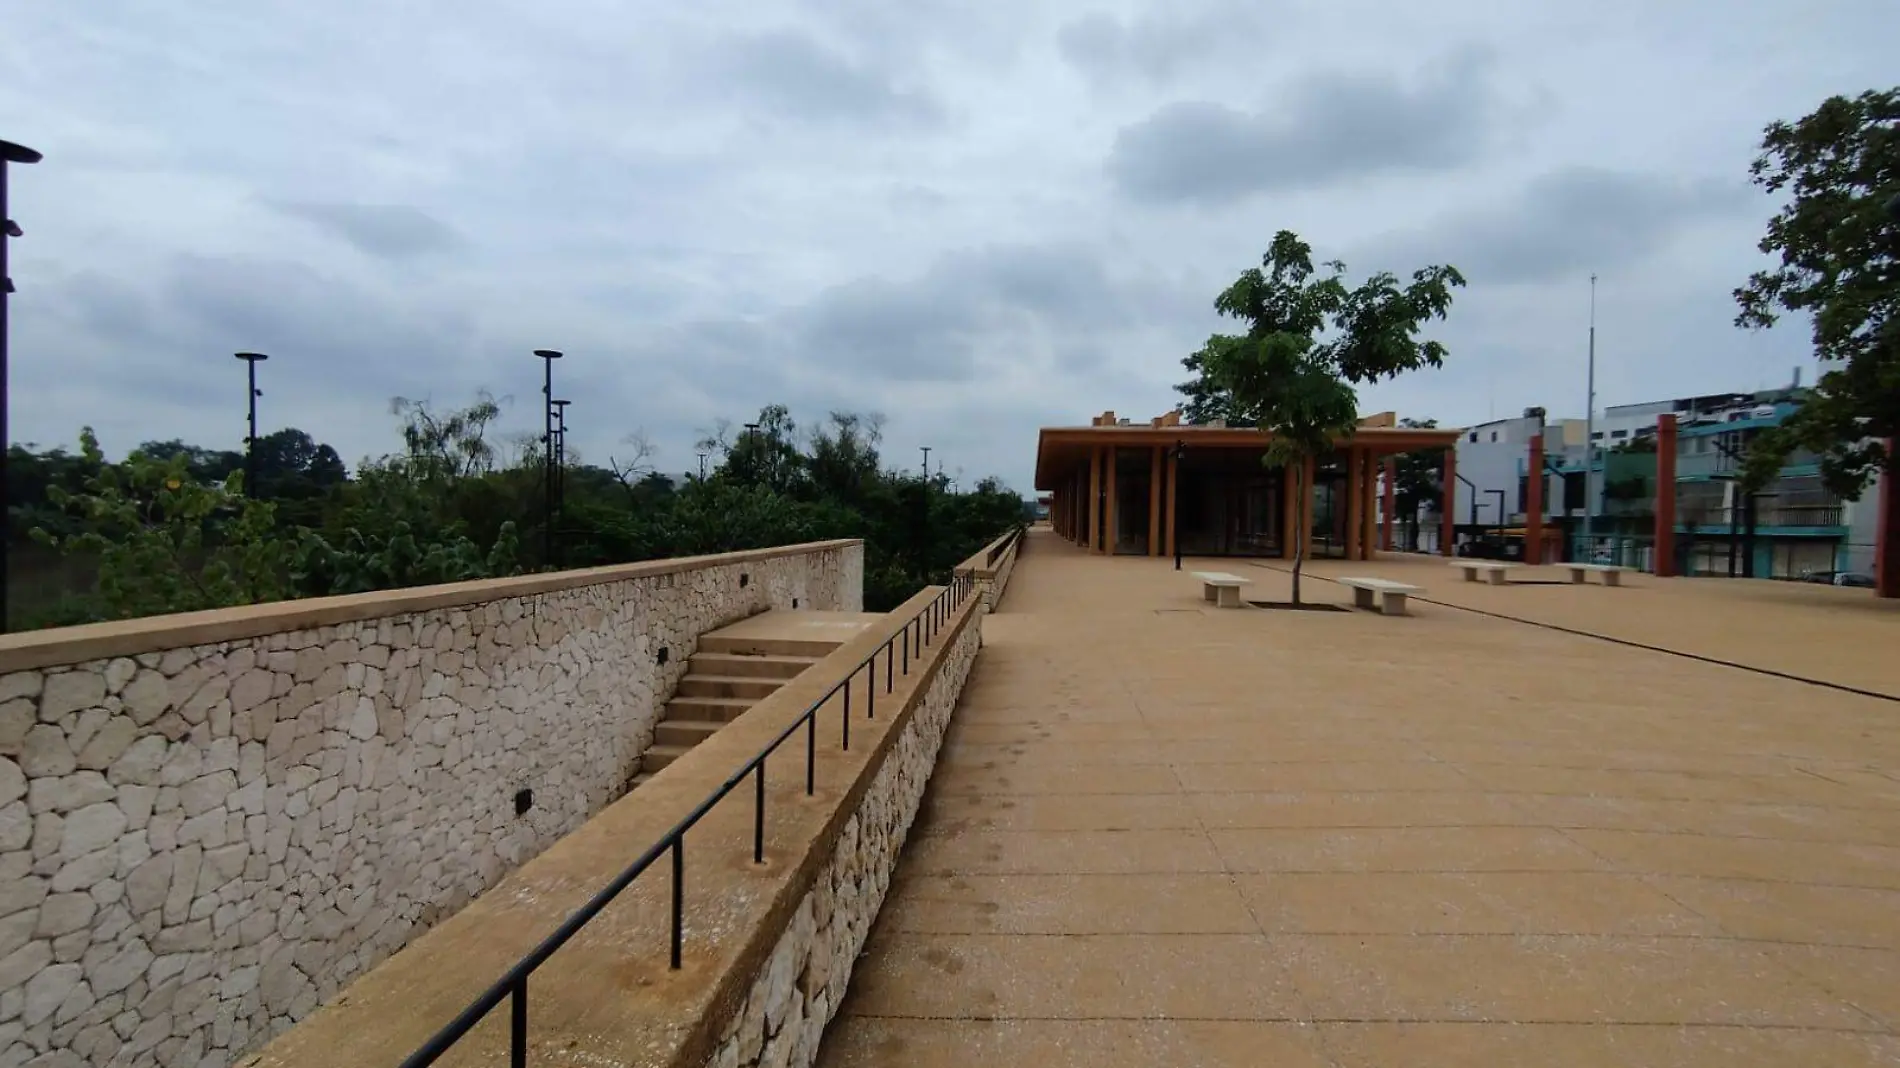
(1853, 578)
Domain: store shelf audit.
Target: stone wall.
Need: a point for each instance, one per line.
(992, 577)
(210, 823)
(803, 981)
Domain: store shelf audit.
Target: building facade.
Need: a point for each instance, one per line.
(1155, 488)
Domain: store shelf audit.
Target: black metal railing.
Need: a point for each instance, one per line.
(915, 636)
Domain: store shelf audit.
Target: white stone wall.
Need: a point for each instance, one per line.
(199, 845)
(803, 981)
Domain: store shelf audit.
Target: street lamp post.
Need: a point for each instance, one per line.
(251, 360)
(560, 468)
(1589, 429)
(926, 449)
(9, 153)
(548, 356)
(752, 464)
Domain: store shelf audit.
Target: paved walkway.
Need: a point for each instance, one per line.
(1168, 834)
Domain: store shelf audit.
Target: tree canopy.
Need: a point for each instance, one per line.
(1838, 246)
(1309, 340)
(170, 527)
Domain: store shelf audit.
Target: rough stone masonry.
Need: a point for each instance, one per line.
(199, 845)
(803, 981)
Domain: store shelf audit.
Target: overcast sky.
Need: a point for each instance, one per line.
(976, 218)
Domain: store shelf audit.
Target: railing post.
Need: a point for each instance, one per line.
(847, 709)
(811, 750)
(870, 693)
(758, 820)
(679, 894)
(907, 648)
(518, 1025)
(890, 665)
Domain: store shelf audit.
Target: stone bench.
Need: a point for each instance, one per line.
(1221, 588)
(1492, 571)
(1612, 574)
(1391, 594)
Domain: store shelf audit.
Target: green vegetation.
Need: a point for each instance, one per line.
(1309, 341)
(1839, 246)
(169, 528)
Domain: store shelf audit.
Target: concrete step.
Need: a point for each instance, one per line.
(727, 643)
(708, 709)
(685, 732)
(753, 688)
(659, 756)
(728, 665)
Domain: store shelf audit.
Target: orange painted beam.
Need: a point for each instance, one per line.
(1108, 525)
(1174, 481)
(1665, 509)
(1091, 532)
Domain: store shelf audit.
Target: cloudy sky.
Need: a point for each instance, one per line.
(976, 218)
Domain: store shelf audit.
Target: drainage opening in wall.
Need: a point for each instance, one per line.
(794, 602)
(524, 800)
(663, 654)
(744, 579)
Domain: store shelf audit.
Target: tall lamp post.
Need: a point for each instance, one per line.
(560, 469)
(753, 465)
(548, 356)
(1589, 430)
(9, 153)
(926, 449)
(251, 360)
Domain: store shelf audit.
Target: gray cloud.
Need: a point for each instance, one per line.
(1569, 222)
(1332, 127)
(792, 74)
(387, 231)
(868, 206)
(1155, 46)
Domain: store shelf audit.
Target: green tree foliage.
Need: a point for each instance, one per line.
(166, 541)
(168, 529)
(1838, 243)
(1309, 341)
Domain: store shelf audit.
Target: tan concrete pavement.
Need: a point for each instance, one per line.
(1163, 833)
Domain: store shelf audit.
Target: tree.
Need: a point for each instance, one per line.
(1309, 341)
(1839, 247)
(1420, 475)
(166, 542)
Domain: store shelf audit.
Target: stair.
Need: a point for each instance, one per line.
(724, 679)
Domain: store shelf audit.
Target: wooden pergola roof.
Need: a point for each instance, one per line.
(1060, 449)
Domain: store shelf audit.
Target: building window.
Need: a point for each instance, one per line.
(1474, 437)
(1596, 435)
(1619, 433)
(1494, 435)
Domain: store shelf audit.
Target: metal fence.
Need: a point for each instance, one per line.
(512, 987)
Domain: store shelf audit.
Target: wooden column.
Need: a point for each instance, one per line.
(1447, 532)
(1154, 503)
(1534, 503)
(1108, 511)
(1368, 515)
(1091, 532)
(1387, 515)
(1663, 547)
(1354, 505)
(1887, 528)
(1174, 481)
(1289, 502)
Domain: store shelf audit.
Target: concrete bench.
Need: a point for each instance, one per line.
(1221, 588)
(1391, 594)
(1490, 569)
(1612, 574)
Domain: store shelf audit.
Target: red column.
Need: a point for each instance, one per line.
(1534, 503)
(1887, 530)
(1386, 514)
(1665, 540)
(1447, 534)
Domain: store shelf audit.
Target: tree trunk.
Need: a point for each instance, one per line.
(1299, 526)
